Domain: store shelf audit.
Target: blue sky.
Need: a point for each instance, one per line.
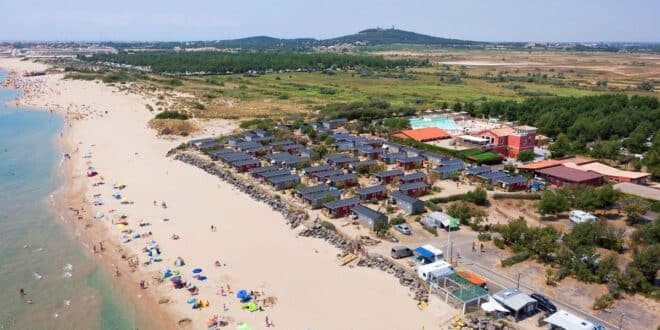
(494, 20)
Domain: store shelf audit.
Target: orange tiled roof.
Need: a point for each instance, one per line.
(423, 134)
(540, 164)
(504, 131)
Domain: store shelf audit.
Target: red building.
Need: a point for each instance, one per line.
(389, 176)
(414, 189)
(411, 163)
(245, 165)
(509, 142)
(566, 176)
(340, 208)
(370, 193)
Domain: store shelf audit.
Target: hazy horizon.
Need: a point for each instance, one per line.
(169, 20)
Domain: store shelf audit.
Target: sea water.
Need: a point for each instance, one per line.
(66, 287)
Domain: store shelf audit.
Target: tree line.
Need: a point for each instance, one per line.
(242, 62)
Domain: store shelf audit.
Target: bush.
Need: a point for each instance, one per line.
(499, 243)
(446, 199)
(484, 237)
(525, 196)
(431, 230)
(397, 221)
(603, 301)
(477, 196)
(172, 115)
(328, 225)
(516, 258)
(526, 156)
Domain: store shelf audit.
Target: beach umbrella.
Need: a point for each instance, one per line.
(243, 295)
(119, 215)
(176, 278)
(197, 270)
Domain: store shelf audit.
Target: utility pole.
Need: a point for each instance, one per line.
(518, 282)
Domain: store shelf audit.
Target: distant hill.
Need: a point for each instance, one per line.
(374, 37)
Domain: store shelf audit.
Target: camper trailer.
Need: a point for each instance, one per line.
(427, 254)
(578, 216)
(434, 271)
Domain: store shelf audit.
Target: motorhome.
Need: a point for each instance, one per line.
(579, 216)
(432, 272)
(427, 254)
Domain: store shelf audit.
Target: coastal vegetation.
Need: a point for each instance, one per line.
(189, 63)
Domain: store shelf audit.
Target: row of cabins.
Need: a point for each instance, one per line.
(485, 174)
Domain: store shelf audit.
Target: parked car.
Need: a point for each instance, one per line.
(544, 303)
(403, 228)
(399, 252)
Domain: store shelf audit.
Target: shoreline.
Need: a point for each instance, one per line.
(285, 259)
(68, 197)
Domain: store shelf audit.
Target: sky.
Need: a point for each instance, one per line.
(482, 20)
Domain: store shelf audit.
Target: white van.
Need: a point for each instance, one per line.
(579, 216)
(433, 271)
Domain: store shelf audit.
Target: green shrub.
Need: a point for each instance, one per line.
(499, 243)
(604, 301)
(516, 258)
(328, 225)
(397, 221)
(525, 196)
(431, 230)
(484, 237)
(172, 115)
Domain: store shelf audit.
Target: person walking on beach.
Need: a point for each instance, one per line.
(101, 246)
(474, 246)
(482, 247)
(22, 292)
(267, 322)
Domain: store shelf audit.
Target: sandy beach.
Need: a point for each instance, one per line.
(257, 250)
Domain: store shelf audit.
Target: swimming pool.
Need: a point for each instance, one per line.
(445, 123)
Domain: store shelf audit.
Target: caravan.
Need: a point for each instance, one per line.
(427, 254)
(434, 271)
(579, 216)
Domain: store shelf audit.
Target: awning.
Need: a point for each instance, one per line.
(424, 253)
(492, 305)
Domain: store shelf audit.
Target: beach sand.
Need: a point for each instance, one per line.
(261, 253)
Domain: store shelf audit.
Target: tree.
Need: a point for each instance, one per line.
(561, 147)
(526, 156)
(552, 203)
(477, 196)
(647, 261)
(635, 208)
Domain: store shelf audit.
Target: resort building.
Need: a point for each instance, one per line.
(567, 176)
(340, 208)
(409, 205)
(414, 189)
(368, 217)
(512, 183)
(371, 193)
(490, 177)
(309, 171)
(255, 172)
(316, 199)
(393, 157)
(245, 165)
(388, 176)
(446, 171)
(342, 181)
(413, 177)
(312, 189)
(284, 181)
(477, 170)
(507, 141)
(610, 173)
(423, 134)
(410, 163)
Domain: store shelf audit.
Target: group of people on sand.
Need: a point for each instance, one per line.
(23, 294)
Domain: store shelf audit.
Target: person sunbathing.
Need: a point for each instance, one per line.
(175, 237)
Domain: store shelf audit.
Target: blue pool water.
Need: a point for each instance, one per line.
(67, 287)
(445, 123)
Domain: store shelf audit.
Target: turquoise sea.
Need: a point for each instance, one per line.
(68, 289)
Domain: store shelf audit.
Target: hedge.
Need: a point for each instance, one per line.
(526, 196)
(450, 198)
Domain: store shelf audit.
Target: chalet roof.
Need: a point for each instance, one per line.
(272, 174)
(569, 174)
(508, 180)
(492, 175)
(368, 212)
(384, 174)
(283, 178)
(370, 190)
(230, 157)
(313, 189)
(342, 177)
(399, 196)
(281, 143)
(263, 169)
(414, 159)
(325, 174)
(412, 185)
(321, 195)
(413, 176)
(244, 162)
(423, 134)
(316, 169)
(476, 170)
(448, 168)
(342, 203)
